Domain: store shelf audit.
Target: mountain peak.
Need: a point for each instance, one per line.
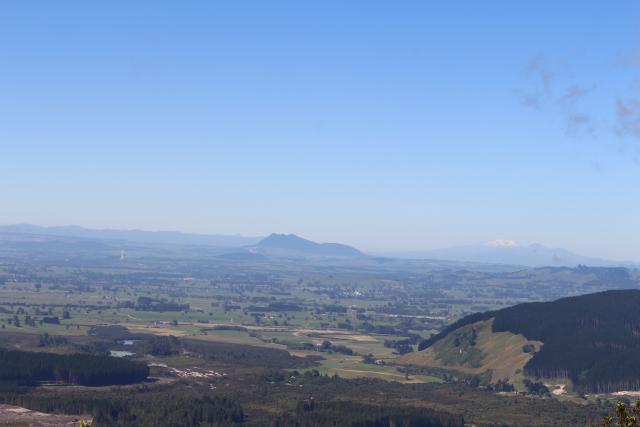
(292, 245)
(275, 237)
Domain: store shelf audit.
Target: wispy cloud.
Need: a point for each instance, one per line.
(540, 94)
(538, 68)
(628, 108)
(572, 95)
(580, 124)
(544, 90)
(540, 90)
(628, 117)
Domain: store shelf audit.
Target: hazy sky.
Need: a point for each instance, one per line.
(388, 125)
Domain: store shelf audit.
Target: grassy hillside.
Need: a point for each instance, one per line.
(592, 340)
(475, 349)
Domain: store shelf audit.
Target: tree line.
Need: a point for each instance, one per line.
(82, 369)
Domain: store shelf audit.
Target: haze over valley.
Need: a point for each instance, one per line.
(320, 214)
(499, 251)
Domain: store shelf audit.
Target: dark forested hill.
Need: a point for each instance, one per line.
(593, 340)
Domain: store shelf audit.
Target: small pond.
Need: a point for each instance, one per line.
(118, 353)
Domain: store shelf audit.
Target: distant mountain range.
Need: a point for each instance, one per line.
(505, 252)
(241, 247)
(510, 252)
(141, 236)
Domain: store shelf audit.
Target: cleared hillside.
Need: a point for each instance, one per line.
(592, 340)
(476, 349)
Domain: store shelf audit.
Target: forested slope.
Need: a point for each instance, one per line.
(80, 369)
(594, 339)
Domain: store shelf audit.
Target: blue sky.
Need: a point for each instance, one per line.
(387, 125)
